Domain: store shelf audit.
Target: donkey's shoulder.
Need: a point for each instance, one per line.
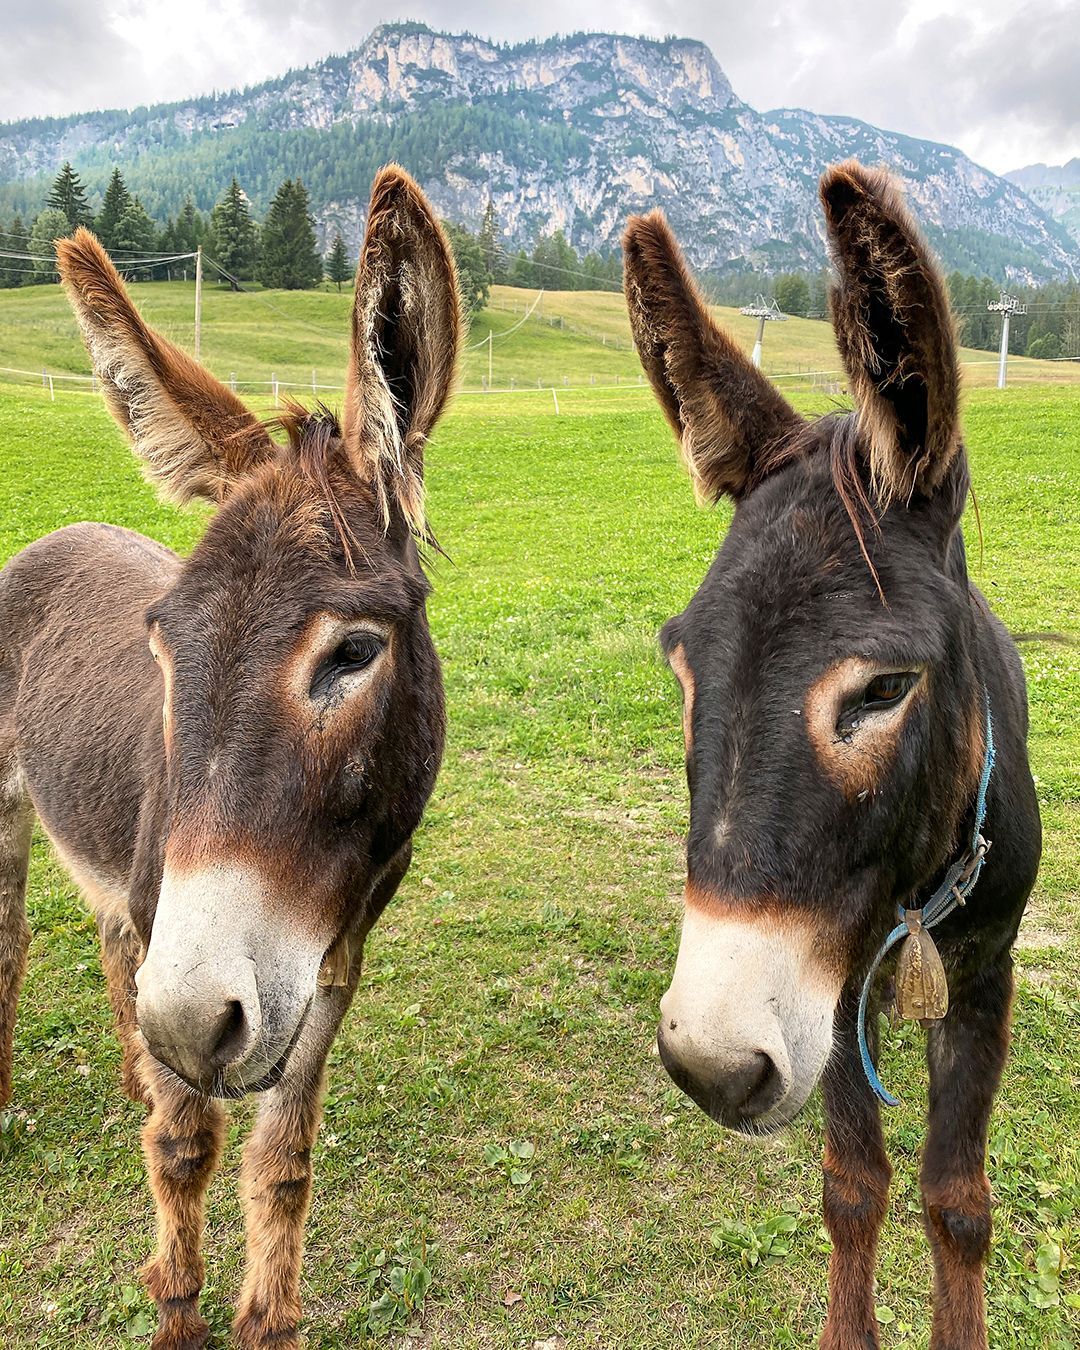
(103, 567)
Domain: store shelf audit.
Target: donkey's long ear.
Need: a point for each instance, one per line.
(194, 436)
(729, 419)
(406, 331)
(894, 329)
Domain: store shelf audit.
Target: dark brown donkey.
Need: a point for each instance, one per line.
(231, 751)
(837, 667)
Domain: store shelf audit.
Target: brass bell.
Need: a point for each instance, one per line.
(922, 991)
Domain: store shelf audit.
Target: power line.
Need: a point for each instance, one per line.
(498, 337)
(144, 261)
(18, 234)
(289, 318)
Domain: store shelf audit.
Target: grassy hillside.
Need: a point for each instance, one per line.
(573, 338)
(510, 993)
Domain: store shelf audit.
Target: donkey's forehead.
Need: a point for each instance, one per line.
(789, 588)
(277, 550)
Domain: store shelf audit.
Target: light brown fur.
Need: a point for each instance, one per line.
(195, 436)
(678, 663)
(404, 278)
(859, 764)
(882, 260)
(723, 411)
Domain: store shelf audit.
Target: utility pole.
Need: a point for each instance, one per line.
(1007, 306)
(764, 313)
(198, 301)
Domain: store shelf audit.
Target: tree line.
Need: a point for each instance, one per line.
(280, 252)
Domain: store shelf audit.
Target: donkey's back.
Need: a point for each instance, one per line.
(71, 616)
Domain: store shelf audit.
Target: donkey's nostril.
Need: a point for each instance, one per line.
(753, 1086)
(229, 1035)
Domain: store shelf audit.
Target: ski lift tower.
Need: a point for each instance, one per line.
(1007, 306)
(764, 313)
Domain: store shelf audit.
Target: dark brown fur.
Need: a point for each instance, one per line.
(169, 718)
(845, 548)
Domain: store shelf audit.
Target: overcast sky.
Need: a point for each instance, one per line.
(1000, 79)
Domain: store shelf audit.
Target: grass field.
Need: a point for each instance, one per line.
(573, 338)
(497, 1116)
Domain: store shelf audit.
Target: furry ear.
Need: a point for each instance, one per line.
(194, 436)
(894, 330)
(406, 333)
(730, 421)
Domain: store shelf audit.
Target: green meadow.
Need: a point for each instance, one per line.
(570, 339)
(504, 1164)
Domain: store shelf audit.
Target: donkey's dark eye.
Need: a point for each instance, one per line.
(352, 654)
(357, 651)
(884, 691)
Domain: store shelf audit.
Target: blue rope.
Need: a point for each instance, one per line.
(954, 890)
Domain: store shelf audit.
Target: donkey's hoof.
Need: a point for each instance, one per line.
(255, 1329)
(180, 1330)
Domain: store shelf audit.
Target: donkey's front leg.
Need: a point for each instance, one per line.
(276, 1185)
(857, 1175)
(182, 1141)
(121, 956)
(966, 1053)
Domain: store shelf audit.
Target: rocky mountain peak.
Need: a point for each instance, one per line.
(572, 133)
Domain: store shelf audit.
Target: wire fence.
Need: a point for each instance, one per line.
(274, 388)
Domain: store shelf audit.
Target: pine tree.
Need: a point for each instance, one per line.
(791, 291)
(50, 226)
(491, 248)
(289, 258)
(190, 227)
(555, 264)
(67, 194)
(232, 234)
(338, 266)
(472, 271)
(521, 271)
(116, 201)
(12, 273)
(134, 231)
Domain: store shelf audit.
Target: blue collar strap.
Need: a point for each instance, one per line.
(954, 890)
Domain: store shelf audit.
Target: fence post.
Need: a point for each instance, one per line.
(273, 381)
(44, 378)
(232, 380)
(314, 390)
(52, 391)
(555, 396)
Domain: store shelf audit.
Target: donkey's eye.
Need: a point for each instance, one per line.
(358, 651)
(353, 654)
(884, 691)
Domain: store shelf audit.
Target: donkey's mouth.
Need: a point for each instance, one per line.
(227, 1084)
(228, 1089)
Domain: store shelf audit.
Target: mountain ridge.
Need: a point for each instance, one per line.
(1055, 188)
(572, 133)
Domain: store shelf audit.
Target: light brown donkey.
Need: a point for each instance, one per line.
(231, 751)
